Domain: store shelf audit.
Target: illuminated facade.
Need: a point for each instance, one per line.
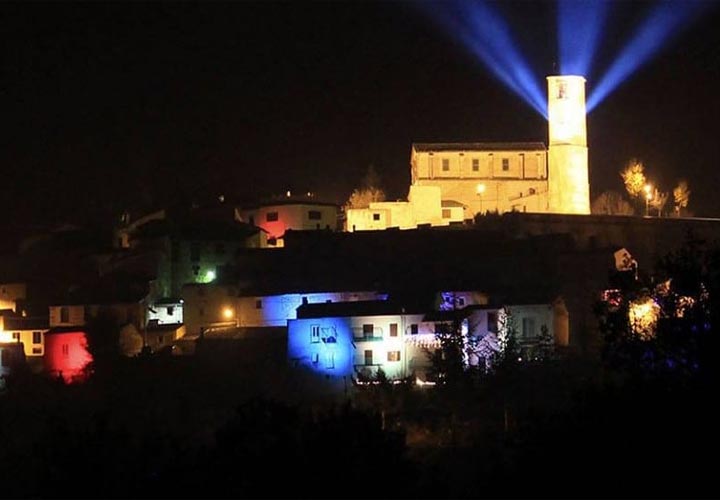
(477, 178)
(278, 217)
(30, 332)
(66, 354)
(358, 339)
(568, 187)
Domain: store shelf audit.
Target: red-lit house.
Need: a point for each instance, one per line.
(278, 216)
(66, 353)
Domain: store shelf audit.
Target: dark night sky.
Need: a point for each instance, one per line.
(135, 105)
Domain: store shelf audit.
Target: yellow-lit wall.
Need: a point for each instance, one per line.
(30, 347)
(569, 189)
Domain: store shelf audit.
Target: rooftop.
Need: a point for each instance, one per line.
(479, 146)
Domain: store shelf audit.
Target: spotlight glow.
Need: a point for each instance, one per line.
(579, 25)
(485, 33)
(665, 21)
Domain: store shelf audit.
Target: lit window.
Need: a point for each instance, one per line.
(37, 337)
(445, 165)
(271, 216)
(414, 329)
(315, 334)
(562, 90)
(476, 165)
(393, 330)
(376, 216)
(314, 215)
(393, 356)
(505, 164)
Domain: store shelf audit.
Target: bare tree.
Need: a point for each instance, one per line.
(658, 201)
(611, 203)
(368, 192)
(681, 195)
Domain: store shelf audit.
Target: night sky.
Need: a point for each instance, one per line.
(133, 106)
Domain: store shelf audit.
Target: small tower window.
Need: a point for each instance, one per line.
(445, 165)
(505, 164)
(562, 90)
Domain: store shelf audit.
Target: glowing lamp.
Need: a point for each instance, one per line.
(209, 276)
(228, 313)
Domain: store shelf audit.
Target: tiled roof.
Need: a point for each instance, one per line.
(479, 146)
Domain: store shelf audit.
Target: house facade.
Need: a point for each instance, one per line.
(300, 215)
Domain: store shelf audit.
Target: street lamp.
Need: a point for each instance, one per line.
(648, 196)
(480, 190)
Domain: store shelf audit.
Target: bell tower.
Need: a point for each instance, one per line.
(568, 187)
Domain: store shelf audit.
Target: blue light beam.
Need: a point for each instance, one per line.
(482, 30)
(665, 21)
(580, 23)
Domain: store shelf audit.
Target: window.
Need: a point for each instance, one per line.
(461, 301)
(445, 213)
(528, 326)
(393, 356)
(258, 304)
(393, 329)
(414, 329)
(314, 215)
(315, 334)
(64, 315)
(376, 216)
(492, 320)
(505, 164)
(532, 190)
(170, 310)
(445, 165)
(37, 337)
(368, 357)
(329, 360)
(65, 350)
(476, 165)
(271, 216)
(368, 330)
(37, 350)
(562, 90)
(315, 358)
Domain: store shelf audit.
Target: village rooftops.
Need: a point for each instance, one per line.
(356, 308)
(478, 146)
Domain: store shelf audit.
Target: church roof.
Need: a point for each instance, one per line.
(479, 146)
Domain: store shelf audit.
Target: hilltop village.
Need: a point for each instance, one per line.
(495, 238)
